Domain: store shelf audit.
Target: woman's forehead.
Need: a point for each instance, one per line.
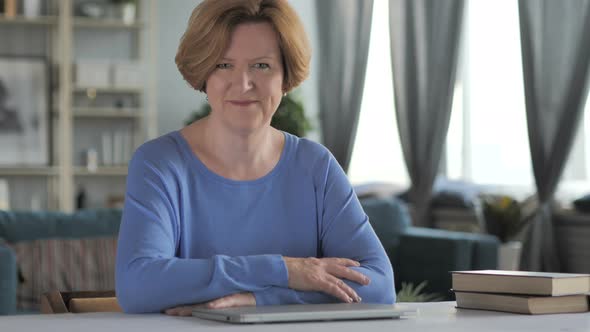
(253, 41)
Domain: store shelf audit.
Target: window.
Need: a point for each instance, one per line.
(487, 141)
(575, 180)
(377, 154)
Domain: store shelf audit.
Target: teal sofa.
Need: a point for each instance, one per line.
(424, 254)
(19, 227)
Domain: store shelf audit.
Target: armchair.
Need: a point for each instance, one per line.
(419, 254)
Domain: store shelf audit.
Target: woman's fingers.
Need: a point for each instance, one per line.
(171, 311)
(217, 304)
(343, 272)
(350, 294)
(331, 286)
(325, 275)
(180, 311)
(234, 300)
(343, 261)
(339, 267)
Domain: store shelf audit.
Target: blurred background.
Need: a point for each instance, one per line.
(472, 114)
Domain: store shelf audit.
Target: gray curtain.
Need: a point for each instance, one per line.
(425, 38)
(344, 28)
(555, 40)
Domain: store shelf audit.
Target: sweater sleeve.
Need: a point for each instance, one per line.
(345, 232)
(149, 277)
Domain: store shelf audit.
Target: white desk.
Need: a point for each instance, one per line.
(439, 317)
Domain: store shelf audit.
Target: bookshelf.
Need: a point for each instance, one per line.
(106, 24)
(95, 112)
(119, 116)
(28, 171)
(102, 171)
(21, 20)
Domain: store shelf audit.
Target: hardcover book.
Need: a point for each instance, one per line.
(521, 282)
(524, 304)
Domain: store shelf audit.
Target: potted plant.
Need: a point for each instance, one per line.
(505, 218)
(289, 117)
(412, 293)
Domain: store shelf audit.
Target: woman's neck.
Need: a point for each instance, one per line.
(233, 155)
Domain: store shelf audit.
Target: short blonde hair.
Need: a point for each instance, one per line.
(209, 31)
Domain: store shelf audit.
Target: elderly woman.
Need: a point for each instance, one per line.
(229, 211)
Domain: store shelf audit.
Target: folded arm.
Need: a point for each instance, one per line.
(149, 278)
(345, 233)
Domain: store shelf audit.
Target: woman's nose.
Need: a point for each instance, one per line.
(243, 79)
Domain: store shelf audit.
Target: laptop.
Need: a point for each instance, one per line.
(303, 312)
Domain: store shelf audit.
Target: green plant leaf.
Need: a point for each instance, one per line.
(411, 293)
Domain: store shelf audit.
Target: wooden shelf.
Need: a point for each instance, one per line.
(112, 90)
(85, 22)
(35, 21)
(82, 22)
(101, 171)
(28, 171)
(119, 113)
(77, 121)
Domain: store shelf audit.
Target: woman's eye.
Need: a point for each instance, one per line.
(223, 66)
(262, 66)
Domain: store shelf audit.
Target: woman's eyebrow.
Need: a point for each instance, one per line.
(270, 57)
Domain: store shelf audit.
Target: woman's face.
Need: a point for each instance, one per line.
(246, 87)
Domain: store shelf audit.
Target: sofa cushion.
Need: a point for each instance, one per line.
(389, 217)
(429, 254)
(64, 265)
(25, 225)
(8, 280)
(377, 190)
(454, 194)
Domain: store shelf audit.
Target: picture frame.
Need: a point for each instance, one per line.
(24, 111)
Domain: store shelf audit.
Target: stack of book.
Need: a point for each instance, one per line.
(521, 291)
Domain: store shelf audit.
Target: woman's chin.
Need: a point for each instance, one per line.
(247, 127)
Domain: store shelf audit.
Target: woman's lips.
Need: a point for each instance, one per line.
(242, 102)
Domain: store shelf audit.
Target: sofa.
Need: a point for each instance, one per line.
(420, 254)
(76, 252)
(56, 251)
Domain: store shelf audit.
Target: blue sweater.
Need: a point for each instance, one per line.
(189, 235)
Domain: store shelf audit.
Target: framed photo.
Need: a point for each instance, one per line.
(24, 111)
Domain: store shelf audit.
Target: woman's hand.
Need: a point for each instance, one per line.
(325, 275)
(234, 300)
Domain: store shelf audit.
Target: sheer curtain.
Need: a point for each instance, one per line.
(425, 36)
(487, 139)
(556, 62)
(344, 27)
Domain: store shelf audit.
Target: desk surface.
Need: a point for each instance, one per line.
(441, 316)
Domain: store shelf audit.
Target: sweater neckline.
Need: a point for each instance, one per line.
(201, 167)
